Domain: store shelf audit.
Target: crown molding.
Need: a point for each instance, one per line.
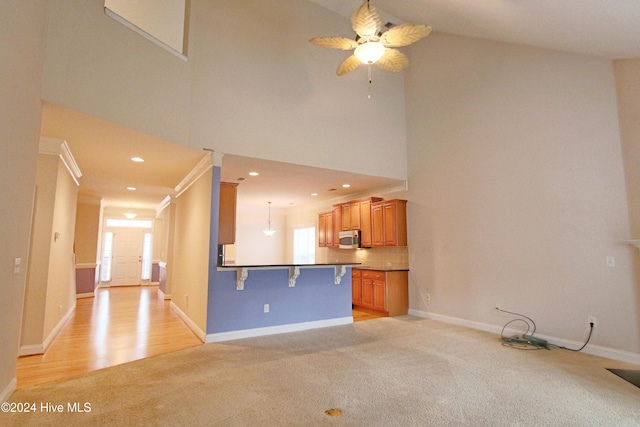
(203, 166)
(55, 146)
(163, 205)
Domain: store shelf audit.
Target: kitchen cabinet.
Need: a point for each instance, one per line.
(356, 215)
(337, 226)
(326, 234)
(389, 223)
(227, 218)
(356, 287)
(382, 292)
(365, 223)
(350, 216)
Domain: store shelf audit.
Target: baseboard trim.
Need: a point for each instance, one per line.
(30, 350)
(280, 329)
(56, 330)
(33, 349)
(595, 350)
(8, 390)
(85, 295)
(162, 295)
(190, 323)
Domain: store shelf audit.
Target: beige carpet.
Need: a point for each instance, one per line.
(402, 371)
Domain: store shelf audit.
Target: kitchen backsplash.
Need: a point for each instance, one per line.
(373, 257)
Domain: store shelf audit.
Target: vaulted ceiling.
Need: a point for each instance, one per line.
(609, 29)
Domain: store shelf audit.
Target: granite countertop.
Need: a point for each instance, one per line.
(376, 268)
(331, 264)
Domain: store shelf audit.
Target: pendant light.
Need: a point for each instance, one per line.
(269, 232)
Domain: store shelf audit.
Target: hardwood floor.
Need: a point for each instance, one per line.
(118, 325)
(359, 315)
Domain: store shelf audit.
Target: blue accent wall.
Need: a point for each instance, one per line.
(213, 245)
(314, 297)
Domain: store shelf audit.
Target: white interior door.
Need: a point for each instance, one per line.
(126, 268)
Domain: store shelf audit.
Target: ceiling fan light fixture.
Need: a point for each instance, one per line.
(369, 52)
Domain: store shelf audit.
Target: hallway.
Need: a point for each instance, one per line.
(118, 325)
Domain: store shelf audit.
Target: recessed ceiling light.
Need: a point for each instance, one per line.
(346, 185)
(137, 159)
(314, 194)
(254, 173)
(131, 188)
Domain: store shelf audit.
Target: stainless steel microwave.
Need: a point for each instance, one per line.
(350, 239)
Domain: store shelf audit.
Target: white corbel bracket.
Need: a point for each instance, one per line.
(241, 276)
(242, 273)
(294, 273)
(340, 270)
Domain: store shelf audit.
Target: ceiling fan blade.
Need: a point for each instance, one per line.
(348, 65)
(366, 21)
(404, 34)
(335, 42)
(393, 60)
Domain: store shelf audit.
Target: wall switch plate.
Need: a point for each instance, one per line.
(16, 265)
(266, 308)
(611, 261)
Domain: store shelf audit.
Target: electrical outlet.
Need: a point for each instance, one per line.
(266, 308)
(16, 265)
(428, 297)
(592, 320)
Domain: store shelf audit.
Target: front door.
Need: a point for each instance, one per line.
(127, 257)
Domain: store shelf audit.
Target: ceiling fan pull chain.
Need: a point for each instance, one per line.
(369, 68)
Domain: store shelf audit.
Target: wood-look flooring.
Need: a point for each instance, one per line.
(118, 325)
(359, 315)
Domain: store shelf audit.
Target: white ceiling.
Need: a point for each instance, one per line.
(605, 28)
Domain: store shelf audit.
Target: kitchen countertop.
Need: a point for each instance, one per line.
(289, 265)
(374, 268)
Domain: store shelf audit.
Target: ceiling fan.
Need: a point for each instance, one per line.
(371, 45)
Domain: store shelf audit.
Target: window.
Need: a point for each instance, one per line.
(164, 22)
(304, 245)
(132, 223)
(146, 257)
(105, 269)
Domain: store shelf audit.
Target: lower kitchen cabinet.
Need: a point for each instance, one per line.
(356, 287)
(382, 292)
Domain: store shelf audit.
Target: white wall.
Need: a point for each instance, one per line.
(517, 189)
(188, 265)
(253, 85)
(628, 87)
(21, 49)
(252, 245)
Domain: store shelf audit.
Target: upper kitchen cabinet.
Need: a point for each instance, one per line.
(356, 214)
(389, 223)
(326, 229)
(227, 220)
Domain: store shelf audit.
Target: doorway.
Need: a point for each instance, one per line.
(126, 252)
